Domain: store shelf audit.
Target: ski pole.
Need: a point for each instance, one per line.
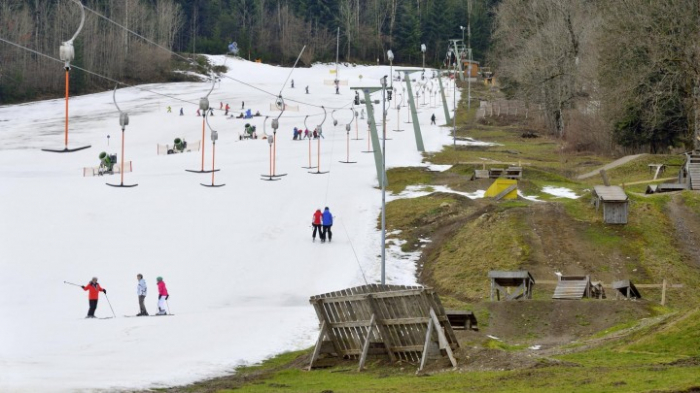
(110, 305)
(70, 283)
(168, 305)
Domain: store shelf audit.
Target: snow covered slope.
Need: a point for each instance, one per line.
(238, 260)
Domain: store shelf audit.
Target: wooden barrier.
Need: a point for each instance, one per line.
(406, 323)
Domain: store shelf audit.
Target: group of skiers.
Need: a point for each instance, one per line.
(94, 288)
(322, 222)
(300, 134)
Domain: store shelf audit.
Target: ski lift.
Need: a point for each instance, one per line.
(123, 122)
(204, 107)
(67, 54)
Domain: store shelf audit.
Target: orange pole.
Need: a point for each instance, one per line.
(309, 152)
(319, 154)
(274, 154)
(213, 155)
(203, 115)
(67, 84)
(348, 145)
(122, 164)
(270, 160)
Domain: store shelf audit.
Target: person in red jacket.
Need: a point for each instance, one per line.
(316, 223)
(94, 289)
(162, 296)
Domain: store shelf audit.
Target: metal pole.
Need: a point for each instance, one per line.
(454, 103)
(384, 182)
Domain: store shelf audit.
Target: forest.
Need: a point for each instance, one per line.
(608, 76)
(271, 30)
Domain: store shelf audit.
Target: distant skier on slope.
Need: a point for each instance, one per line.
(141, 291)
(432, 120)
(162, 296)
(316, 222)
(94, 289)
(327, 224)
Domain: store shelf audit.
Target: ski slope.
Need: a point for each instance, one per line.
(238, 260)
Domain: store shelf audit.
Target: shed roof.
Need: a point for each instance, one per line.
(610, 193)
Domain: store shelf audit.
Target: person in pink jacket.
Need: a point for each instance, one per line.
(162, 296)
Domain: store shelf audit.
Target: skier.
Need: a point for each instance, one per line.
(211, 111)
(315, 133)
(198, 114)
(307, 89)
(182, 113)
(327, 224)
(141, 290)
(432, 120)
(170, 110)
(242, 104)
(221, 105)
(296, 134)
(162, 296)
(227, 109)
(292, 83)
(94, 289)
(307, 134)
(316, 223)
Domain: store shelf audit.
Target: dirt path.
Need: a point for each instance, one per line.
(614, 164)
(687, 225)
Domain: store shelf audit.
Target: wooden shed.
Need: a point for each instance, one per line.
(475, 68)
(614, 201)
(521, 281)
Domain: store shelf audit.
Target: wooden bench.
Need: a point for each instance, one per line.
(459, 319)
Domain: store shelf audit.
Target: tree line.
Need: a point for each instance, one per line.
(271, 30)
(615, 76)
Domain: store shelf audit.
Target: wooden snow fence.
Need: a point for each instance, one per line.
(406, 323)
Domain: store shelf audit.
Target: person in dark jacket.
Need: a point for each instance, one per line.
(94, 289)
(327, 221)
(316, 222)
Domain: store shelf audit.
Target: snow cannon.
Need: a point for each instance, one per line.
(180, 145)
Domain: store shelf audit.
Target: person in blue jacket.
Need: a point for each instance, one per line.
(327, 224)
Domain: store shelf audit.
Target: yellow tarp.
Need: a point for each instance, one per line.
(501, 184)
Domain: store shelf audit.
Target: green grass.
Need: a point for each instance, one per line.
(399, 178)
(544, 379)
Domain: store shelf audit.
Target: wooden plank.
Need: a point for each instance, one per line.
(319, 344)
(424, 357)
(365, 346)
(443, 340)
(386, 338)
(663, 293)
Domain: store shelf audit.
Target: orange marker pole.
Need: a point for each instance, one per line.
(309, 152)
(122, 163)
(203, 116)
(274, 153)
(67, 84)
(319, 154)
(270, 160)
(213, 155)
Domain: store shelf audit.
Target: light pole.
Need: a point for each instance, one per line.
(423, 49)
(454, 103)
(462, 28)
(384, 181)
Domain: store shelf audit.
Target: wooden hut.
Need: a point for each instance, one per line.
(614, 201)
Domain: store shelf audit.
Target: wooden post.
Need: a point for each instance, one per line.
(441, 337)
(428, 334)
(663, 292)
(319, 344)
(365, 345)
(604, 175)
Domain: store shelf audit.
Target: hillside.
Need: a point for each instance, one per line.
(536, 345)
